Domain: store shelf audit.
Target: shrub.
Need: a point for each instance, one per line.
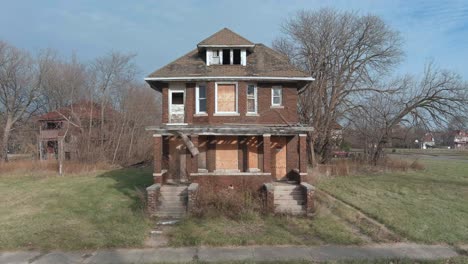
(231, 203)
(416, 165)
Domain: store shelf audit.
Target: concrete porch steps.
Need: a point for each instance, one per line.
(289, 199)
(172, 201)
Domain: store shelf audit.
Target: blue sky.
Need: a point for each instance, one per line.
(161, 31)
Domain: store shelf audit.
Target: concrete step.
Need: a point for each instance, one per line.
(277, 194)
(287, 187)
(288, 203)
(289, 196)
(172, 210)
(297, 209)
(171, 188)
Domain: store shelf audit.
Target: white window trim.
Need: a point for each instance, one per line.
(197, 101)
(216, 99)
(176, 88)
(281, 96)
(255, 97)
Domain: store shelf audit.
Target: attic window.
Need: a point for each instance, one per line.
(227, 57)
(236, 57)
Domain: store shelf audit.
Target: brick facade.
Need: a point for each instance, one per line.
(266, 113)
(252, 181)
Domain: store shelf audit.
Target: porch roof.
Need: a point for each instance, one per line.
(231, 130)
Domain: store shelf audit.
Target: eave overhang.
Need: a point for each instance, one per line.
(239, 78)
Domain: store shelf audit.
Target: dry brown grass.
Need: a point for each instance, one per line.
(230, 203)
(349, 167)
(30, 167)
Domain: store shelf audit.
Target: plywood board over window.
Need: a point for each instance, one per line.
(252, 153)
(226, 98)
(227, 156)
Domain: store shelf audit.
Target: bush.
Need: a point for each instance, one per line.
(231, 203)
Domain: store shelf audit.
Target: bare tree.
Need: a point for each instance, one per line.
(431, 101)
(111, 73)
(345, 53)
(64, 83)
(20, 85)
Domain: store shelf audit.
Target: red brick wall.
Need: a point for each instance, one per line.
(252, 182)
(266, 114)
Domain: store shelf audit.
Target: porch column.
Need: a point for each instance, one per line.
(211, 155)
(194, 159)
(267, 153)
(303, 153)
(157, 173)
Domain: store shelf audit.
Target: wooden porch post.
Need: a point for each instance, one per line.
(194, 159)
(267, 153)
(157, 173)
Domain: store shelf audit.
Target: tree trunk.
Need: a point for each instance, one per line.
(311, 142)
(378, 152)
(6, 138)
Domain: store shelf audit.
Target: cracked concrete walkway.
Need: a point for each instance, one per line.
(219, 254)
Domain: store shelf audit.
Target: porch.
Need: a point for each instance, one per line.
(233, 156)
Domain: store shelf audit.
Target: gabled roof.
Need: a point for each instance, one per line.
(262, 62)
(225, 37)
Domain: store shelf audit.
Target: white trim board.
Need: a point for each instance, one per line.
(207, 78)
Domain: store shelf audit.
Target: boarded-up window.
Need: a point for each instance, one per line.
(226, 98)
(227, 155)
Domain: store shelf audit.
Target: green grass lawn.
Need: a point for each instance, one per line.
(262, 230)
(425, 206)
(73, 212)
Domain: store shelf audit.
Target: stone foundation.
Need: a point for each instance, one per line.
(152, 199)
(192, 197)
(219, 180)
(269, 190)
(309, 192)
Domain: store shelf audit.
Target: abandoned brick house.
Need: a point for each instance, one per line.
(229, 119)
(59, 130)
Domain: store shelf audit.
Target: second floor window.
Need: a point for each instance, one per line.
(251, 99)
(201, 98)
(276, 96)
(226, 98)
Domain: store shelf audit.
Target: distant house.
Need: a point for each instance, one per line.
(59, 130)
(427, 141)
(459, 139)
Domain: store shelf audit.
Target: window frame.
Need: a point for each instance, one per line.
(237, 99)
(197, 98)
(273, 104)
(255, 98)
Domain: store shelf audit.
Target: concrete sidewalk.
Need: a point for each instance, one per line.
(219, 254)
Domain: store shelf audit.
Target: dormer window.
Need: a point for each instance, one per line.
(226, 56)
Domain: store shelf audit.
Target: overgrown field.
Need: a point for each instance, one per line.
(95, 210)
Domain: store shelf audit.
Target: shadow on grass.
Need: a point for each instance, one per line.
(132, 182)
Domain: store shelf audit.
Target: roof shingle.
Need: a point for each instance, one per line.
(261, 62)
(225, 37)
